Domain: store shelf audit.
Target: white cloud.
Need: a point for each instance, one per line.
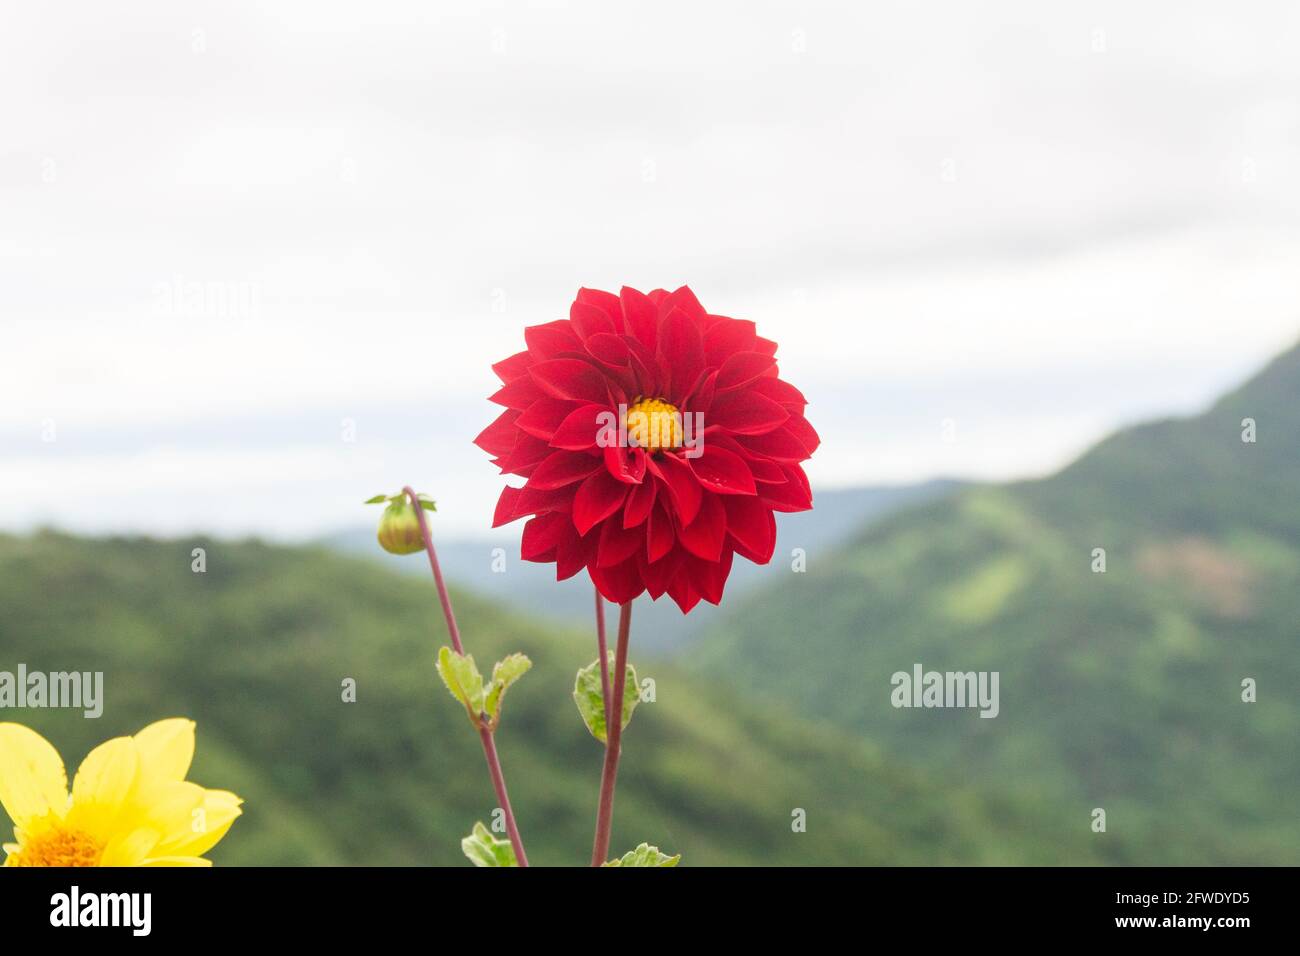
(1052, 222)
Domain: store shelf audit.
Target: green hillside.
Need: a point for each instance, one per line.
(256, 648)
(1119, 690)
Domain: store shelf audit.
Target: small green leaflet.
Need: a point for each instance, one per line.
(504, 673)
(427, 503)
(591, 703)
(462, 678)
(460, 674)
(483, 849)
(644, 855)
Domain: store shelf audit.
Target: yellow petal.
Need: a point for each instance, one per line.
(32, 779)
(220, 808)
(104, 787)
(173, 809)
(166, 748)
(130, 848)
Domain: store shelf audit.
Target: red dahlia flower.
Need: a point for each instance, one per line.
(709, 447)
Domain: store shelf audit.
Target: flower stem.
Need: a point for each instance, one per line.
(613, 740)
(443, 597)
(489, 744)
(503, 798)
(604, 653)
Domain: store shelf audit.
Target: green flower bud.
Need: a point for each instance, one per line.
(399, 528)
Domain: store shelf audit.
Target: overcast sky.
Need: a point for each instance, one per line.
(255, 258)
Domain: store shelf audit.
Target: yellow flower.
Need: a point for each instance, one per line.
(130, 803)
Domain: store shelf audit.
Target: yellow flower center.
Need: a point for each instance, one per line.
(59, 847)
(654, 424)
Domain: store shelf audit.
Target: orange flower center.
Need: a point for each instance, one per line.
(654, 424)
(59, 847)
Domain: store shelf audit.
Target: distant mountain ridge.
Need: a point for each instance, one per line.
(661, 627)
(1121, 689)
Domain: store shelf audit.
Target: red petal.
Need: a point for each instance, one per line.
(710, 577)
(526, 454)
(801, 429)
(704, 536)
(543, 534)
(543, 417)
(620, 583)
(800, 478)
(639, 503)
(752, 525)
(764, 469)
(745, 413)
(682, 485)
(598, 497)
(793, 495)
(505, 510)
(640, 317)
(499, 437)
(659, 534)
(766, 346)
(552, 339)
(680, 354)
(581, 428)
(588, 320)
(741, 369)
(681, 591)
(570, 378)
(509, 369)
(722, 471)
(727, 337)
(608, 348)
(684, 299)
(607, 302)
(519, 394)
(562, 468)
(625, 464)
(658, 574)
(573, 555)
(779, 391)
(779, 444)
(701, 400)
(533, 501)
(616, 545)
(645, 368)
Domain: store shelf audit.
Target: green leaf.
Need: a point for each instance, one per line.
(483, 849)
(591, 702)
(427, 503)
(462, 678)
(504, 673)
(645, 855)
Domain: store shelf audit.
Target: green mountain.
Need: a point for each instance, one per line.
(474, 564)
(1121, 690)
(256, 650)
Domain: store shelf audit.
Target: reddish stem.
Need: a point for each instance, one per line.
(443, 597)
(613, 741)
(489, 744)
(604, 653)
(503, 798)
